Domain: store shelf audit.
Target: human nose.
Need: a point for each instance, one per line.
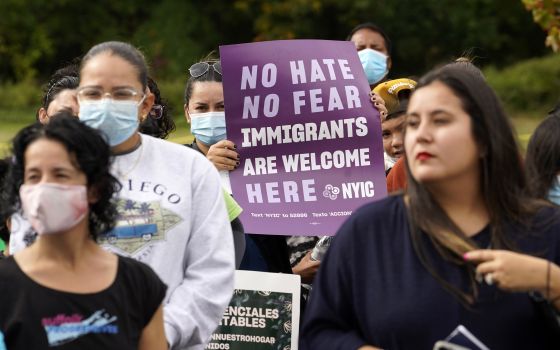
(397, 141)
(44, 178)
(424, 132)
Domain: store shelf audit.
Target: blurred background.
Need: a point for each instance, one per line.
(505, 38)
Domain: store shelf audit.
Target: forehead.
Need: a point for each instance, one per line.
(65, 95)
(434, 96)
(393, 122)
(63, 100)
(44, 153)
(212, 91)
(368, 36)
(109, 70)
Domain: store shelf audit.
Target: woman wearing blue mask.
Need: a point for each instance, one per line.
(374, 50)
(542, 162)
(171, 212)
(204, 110)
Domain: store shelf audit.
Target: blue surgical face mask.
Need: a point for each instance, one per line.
(554, 192)
(118, 120)
(374, 64)
(208, 128)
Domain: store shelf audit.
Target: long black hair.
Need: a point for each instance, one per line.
(92, 156)
(503, 184)
(542, 162)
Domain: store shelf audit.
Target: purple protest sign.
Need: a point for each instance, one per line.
(307, 134)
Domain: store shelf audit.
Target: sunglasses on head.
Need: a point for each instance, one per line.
(201, 68)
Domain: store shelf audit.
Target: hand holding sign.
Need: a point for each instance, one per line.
(223, 155)
(300, 113)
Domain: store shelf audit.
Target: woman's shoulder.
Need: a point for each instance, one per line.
(383, 218)
(170, 150)
(139, 272)
(381, 211)
(9, 268)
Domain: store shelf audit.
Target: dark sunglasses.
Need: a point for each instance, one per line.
(201, 68)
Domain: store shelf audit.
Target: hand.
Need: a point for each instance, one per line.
(306, 268)
(379, 104)
(511, 271)
(223, 155)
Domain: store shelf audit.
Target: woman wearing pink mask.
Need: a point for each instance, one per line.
(64, 290)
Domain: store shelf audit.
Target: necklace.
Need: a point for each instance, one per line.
(123, 175)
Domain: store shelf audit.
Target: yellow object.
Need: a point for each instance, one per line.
(233, 208)
(389, 91)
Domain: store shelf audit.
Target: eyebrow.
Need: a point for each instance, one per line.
(112, 89)
(58, 168)
(432, 113)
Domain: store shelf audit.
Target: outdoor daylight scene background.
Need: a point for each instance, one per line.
(507, 38)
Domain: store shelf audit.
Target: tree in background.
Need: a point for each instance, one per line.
(547, 14)
(37, 36)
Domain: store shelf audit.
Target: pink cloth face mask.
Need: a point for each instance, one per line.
(53, 208)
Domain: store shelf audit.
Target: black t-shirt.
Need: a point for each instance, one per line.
(35, 317)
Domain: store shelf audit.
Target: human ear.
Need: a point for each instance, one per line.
(146, 106)
(92, 195)
(186, 109)
(42, 116)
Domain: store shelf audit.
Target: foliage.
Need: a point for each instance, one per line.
(37, 37)
(547, 14)
(424, 33)
(529, 85)
(20, 95)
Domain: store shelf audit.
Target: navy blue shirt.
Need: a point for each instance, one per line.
(372, 289)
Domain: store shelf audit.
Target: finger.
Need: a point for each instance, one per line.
(223, 152)
(222, 162)
(226, 144)
(487, 267)
(316, 264)
(479, 255)
(380, 99)
(222, 166)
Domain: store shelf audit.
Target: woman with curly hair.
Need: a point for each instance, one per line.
(65, 290)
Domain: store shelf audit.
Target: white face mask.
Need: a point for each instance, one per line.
(53, 208)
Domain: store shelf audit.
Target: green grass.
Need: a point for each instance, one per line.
(11, 122)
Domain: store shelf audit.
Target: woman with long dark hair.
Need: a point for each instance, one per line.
(463, 246)
(542, 162)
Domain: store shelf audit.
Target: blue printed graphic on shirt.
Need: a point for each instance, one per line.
(139, 224)
(62, 329)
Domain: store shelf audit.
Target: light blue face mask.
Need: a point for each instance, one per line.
(118, 120)
(554, 192)
(374, 64)
(208, 128)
